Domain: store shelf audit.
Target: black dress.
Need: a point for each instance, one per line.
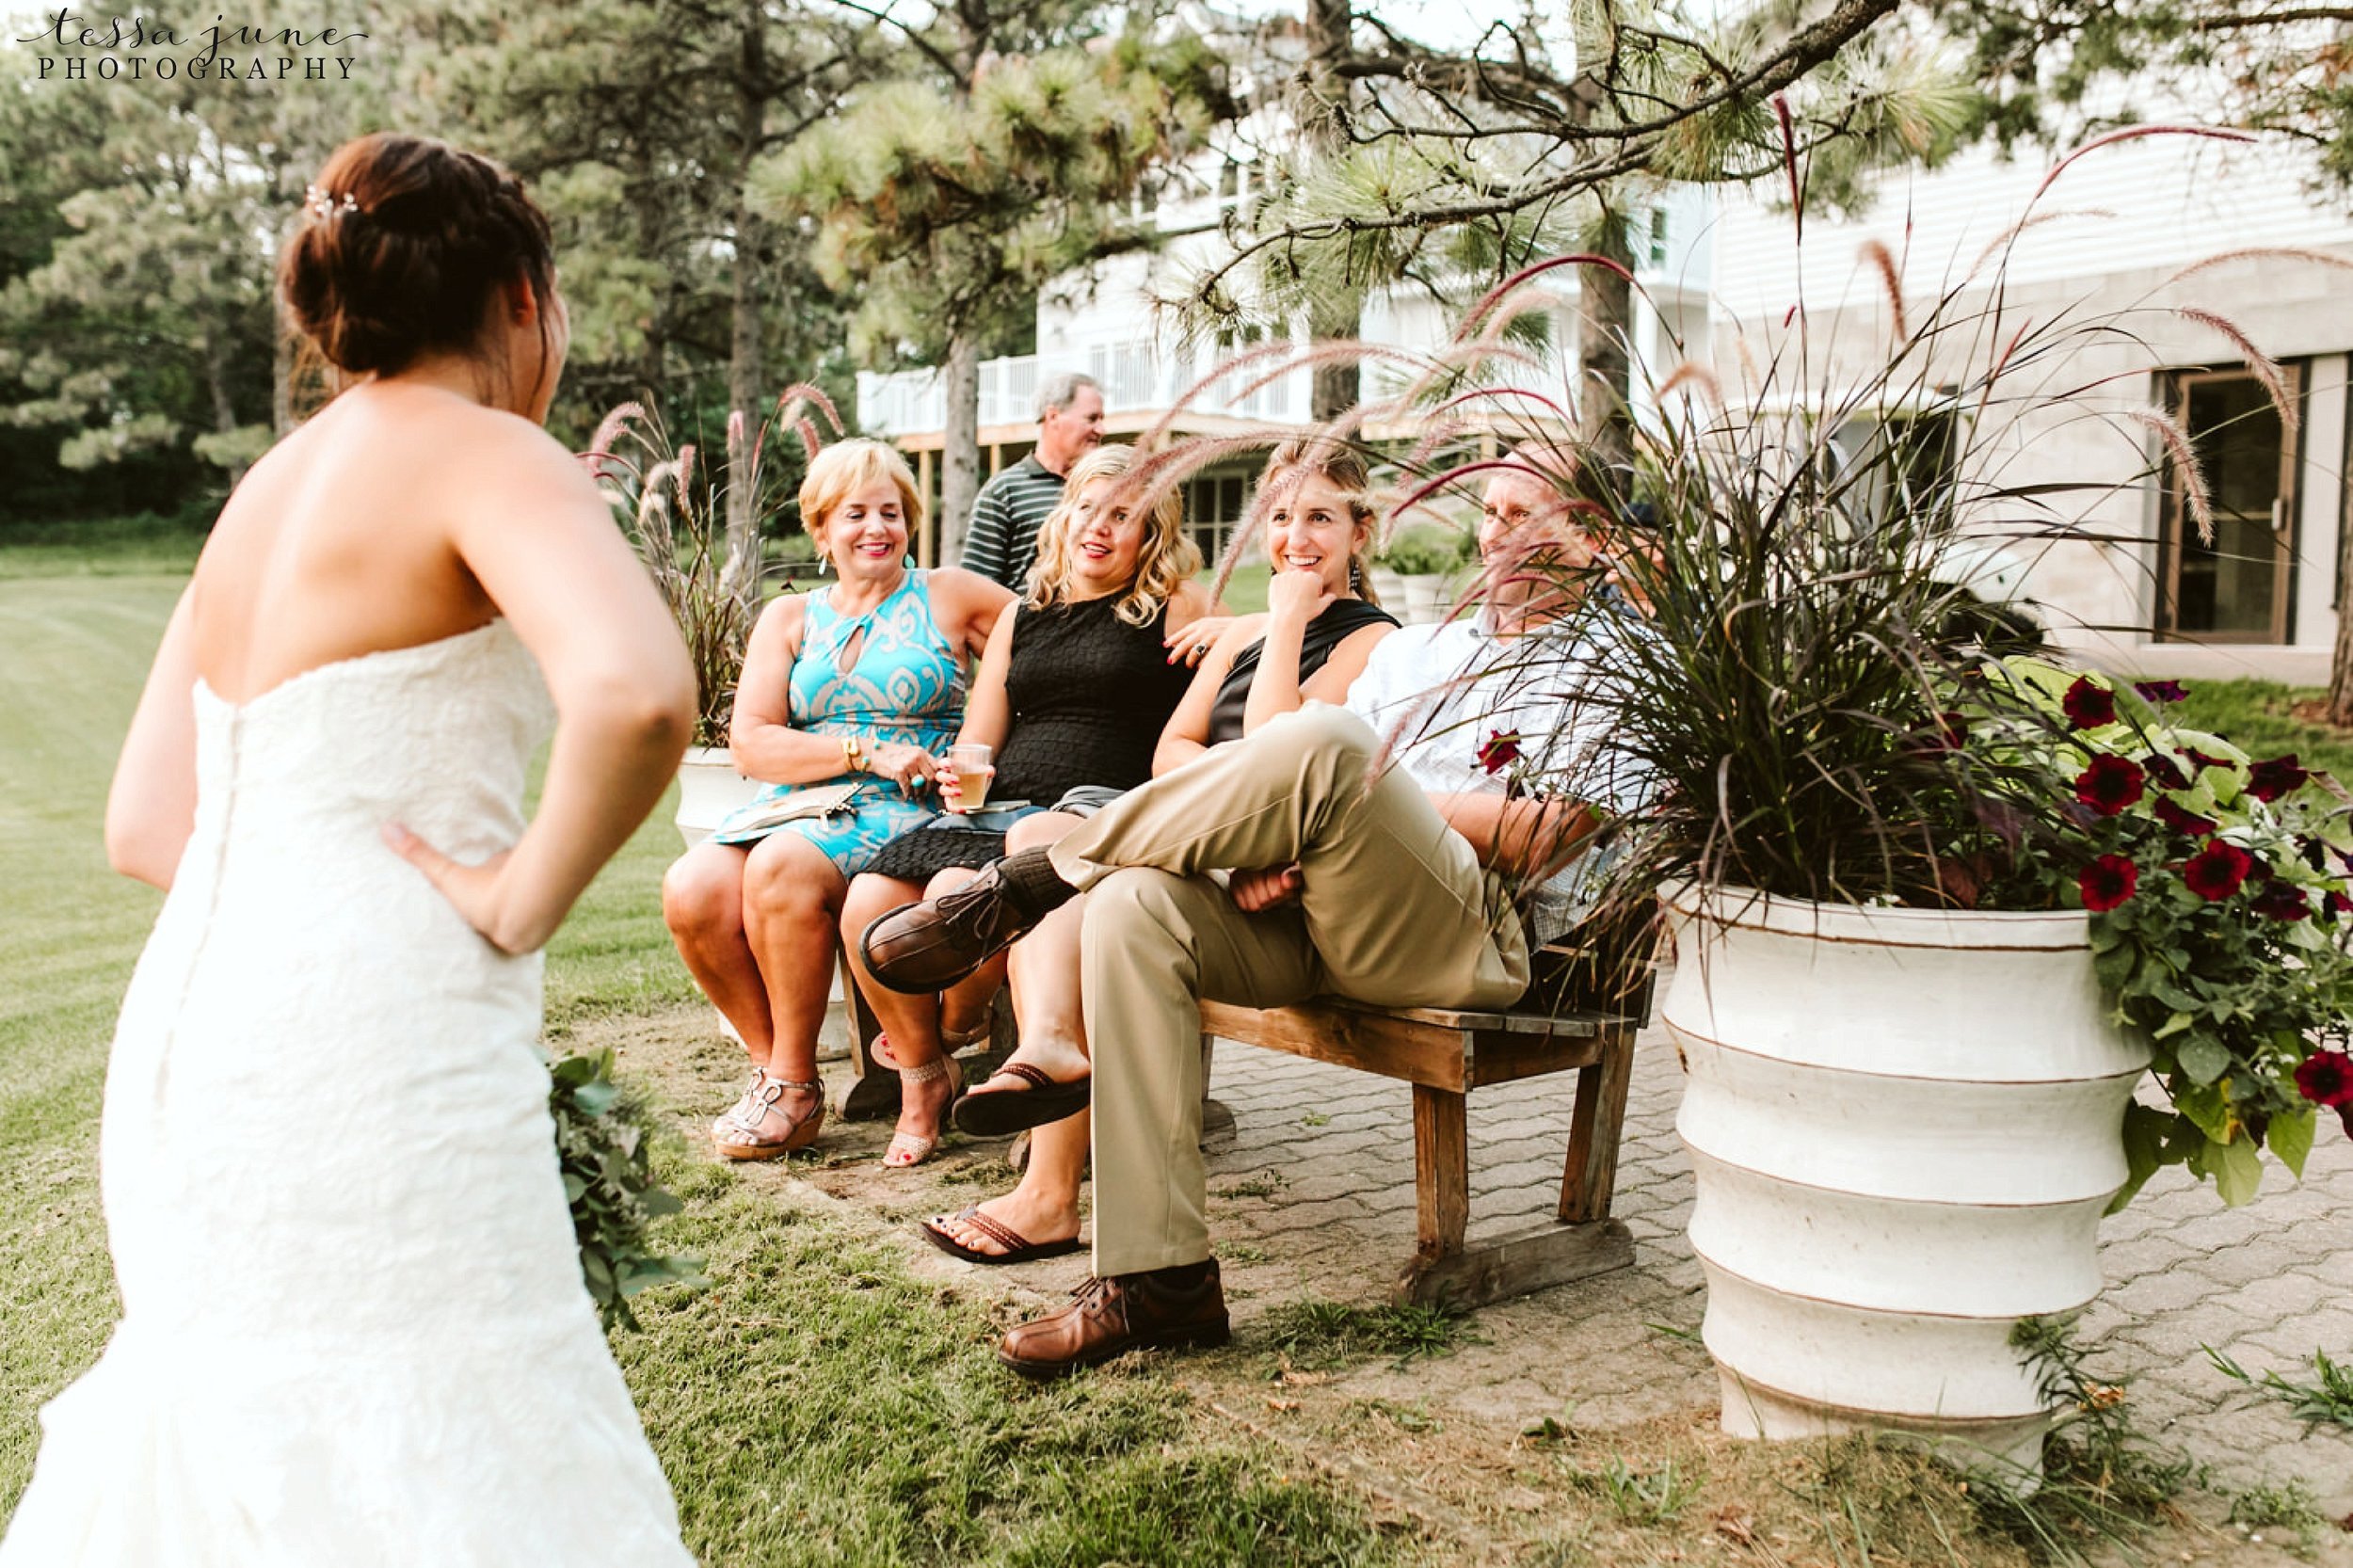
(1090, 695)
(1339, 620)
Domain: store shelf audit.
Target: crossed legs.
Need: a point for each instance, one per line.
(1395, 909)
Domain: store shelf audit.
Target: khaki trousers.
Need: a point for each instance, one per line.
(1397, 911)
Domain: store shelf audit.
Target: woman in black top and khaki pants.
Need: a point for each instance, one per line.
(1310, 645)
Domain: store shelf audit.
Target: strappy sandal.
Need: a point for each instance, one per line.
(950, 1041)
(1018, 1248)
(909, 1149)
(737, 1134)
(997, 1112)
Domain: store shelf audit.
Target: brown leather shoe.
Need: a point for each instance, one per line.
(921, 947)
(1184, 1306)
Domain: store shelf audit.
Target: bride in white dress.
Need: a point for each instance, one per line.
(354, 1329)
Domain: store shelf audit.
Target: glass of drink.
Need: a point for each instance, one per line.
(973, 771)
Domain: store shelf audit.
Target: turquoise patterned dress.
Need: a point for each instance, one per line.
(908, 686)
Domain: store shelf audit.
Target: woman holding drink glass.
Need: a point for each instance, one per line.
(848, 693)
(1073, 688)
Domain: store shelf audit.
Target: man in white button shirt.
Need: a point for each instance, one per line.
(1376, 851)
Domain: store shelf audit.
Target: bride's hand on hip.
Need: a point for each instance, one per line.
(477, 893)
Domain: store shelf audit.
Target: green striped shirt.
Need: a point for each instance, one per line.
(1006, 515)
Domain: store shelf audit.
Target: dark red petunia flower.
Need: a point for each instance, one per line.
(2333, 906)
(2281, 901)
(2280, 775)
(2164, 771)
(2109, 785)
(2088, 704)
(2180, 821)
(2215, 871)
(2161, 691)
(1501, 750)
(2107, 881)
(2325, 1077)
(2201, 759)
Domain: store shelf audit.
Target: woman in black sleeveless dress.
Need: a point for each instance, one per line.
(1072, 692)
(1310, 645)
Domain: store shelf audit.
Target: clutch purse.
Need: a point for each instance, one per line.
(822, 800)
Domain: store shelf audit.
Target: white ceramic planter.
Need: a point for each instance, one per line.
(1389, 588)
(1425, 597)
(1904, 1124)
(708, 788)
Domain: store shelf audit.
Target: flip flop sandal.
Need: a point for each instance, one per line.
(1018, 1248)
(997, 1112)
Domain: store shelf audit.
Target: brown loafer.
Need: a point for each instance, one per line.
(1108, 1318)
(920, 948)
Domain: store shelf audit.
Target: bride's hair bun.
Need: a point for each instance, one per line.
(404, 242)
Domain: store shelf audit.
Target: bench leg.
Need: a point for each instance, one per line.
(1595, 1127)
(1446, 1271)
(873, 1089)
(1441, 1170)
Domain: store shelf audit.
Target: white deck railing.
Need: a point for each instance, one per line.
(1135, 377)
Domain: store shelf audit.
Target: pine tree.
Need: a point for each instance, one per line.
(946, 215)
(1462, 166)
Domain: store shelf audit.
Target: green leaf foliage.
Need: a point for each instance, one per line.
(606, 1157)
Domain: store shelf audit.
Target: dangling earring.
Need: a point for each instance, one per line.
(1355, 575)
(824, 563)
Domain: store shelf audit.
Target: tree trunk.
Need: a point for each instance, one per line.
(745, 370)
(224, 406)
(2340, 671)
(282, 375)
(1605, 362)
(960, 452)
(1337, 386)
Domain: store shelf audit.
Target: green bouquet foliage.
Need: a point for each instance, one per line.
(601, 1143)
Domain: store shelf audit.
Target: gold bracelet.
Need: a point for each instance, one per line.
(853, 754)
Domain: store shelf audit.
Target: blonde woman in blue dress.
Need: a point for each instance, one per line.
(856, 687)
(354, 1330)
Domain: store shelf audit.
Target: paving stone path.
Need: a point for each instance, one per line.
(2267, 1284)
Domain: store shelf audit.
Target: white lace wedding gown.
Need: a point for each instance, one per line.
(354, 1330)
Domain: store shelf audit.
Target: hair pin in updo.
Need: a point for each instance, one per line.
(323, 205)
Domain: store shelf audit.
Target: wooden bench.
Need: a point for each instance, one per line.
(1445, 1053)
(1595, 1000)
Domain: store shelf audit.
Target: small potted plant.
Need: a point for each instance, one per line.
(1422, 557)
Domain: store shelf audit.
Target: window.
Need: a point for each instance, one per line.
(1214, 503)
(1897, 459)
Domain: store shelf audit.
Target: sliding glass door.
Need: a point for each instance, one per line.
(2234, 589)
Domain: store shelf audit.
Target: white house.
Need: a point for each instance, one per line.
(2113, 233)
(1722, 273)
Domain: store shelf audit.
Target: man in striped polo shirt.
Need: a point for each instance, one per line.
(1003, 538)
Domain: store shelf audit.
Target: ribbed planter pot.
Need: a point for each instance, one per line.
(1425, 597)
(708, 788)
(1904, 1124)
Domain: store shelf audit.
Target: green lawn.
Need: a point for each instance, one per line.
(818, 1405)
(2255, 715)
